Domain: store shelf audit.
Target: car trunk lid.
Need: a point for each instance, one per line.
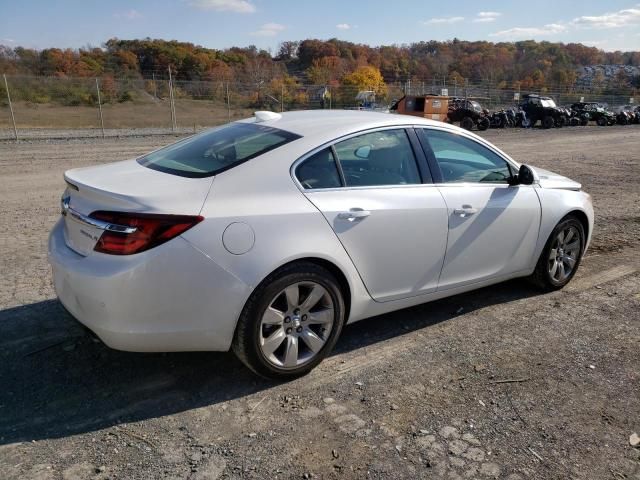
(124, 187)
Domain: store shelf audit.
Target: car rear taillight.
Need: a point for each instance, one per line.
(151, 230)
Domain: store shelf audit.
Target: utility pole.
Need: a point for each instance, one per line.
(171, 104)
(228, 103)
(13, 119)
(100, 107)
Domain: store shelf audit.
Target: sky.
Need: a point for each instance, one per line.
(610, 25)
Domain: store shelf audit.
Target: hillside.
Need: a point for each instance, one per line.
(526, 64)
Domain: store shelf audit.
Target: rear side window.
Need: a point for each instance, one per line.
(319, 171)
(384, 157)
(215, 151)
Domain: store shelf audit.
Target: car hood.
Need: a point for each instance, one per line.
(549, 179)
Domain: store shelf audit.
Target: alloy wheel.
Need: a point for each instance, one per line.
(297, 324)
(564, 254)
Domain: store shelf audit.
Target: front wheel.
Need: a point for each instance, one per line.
(548, 122)
(467, 123)
(291, 322)
(483, 124)
(561, 255)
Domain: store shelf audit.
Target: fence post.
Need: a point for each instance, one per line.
(13, 119)
(282, 99)
(171, 105)
(100, 107)
(330, 98)
(228, 103)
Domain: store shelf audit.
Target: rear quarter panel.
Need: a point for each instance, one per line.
(286, 226)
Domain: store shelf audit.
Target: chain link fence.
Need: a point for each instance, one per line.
(51, 107)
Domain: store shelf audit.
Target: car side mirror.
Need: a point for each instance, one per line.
(525, 175)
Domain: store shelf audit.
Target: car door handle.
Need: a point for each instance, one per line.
(354, 214)
(465, 211)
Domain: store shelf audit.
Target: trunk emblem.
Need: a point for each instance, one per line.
(64, 204)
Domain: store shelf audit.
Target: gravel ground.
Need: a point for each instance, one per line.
(500, 383)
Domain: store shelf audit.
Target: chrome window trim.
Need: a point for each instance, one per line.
(331, 143)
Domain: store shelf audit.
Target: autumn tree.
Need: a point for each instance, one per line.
(366, 78)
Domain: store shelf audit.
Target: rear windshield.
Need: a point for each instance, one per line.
(217, 150)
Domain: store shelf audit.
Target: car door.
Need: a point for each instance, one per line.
(493, 226)
(370, 189)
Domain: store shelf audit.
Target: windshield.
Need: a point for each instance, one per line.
(548, 103)
(217, 150)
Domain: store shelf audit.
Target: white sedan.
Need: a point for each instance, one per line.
(268, 235)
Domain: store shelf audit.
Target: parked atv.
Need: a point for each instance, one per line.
(468, 112)
(544, 110)
(624, 118)
(628, 115)
(522, 120)
(499, 119)
(597, 113)
(577, 118)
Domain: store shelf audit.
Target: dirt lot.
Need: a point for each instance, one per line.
(500, 383)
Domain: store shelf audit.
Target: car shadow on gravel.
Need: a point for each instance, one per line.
(58, 380)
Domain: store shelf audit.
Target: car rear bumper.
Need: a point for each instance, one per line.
(170, 298)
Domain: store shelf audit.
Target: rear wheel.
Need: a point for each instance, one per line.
(467, 123)
(291, 322)
(548, 122)
(601, 121)
(561, 255)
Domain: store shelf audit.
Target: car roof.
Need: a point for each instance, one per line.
(336, 123)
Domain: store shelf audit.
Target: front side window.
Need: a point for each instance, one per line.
(464, 160)
(384, 157)
(217, 150)
(319, 171)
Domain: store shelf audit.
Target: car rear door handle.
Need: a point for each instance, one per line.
(465, 211)
(354, 214)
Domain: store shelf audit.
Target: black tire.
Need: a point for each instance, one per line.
(541, 276)
(548, 122)
(467, 123)
(574, 122)
(246, 339)
(584, 121)
(601, 122)
(483, 124)
(561, 121)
